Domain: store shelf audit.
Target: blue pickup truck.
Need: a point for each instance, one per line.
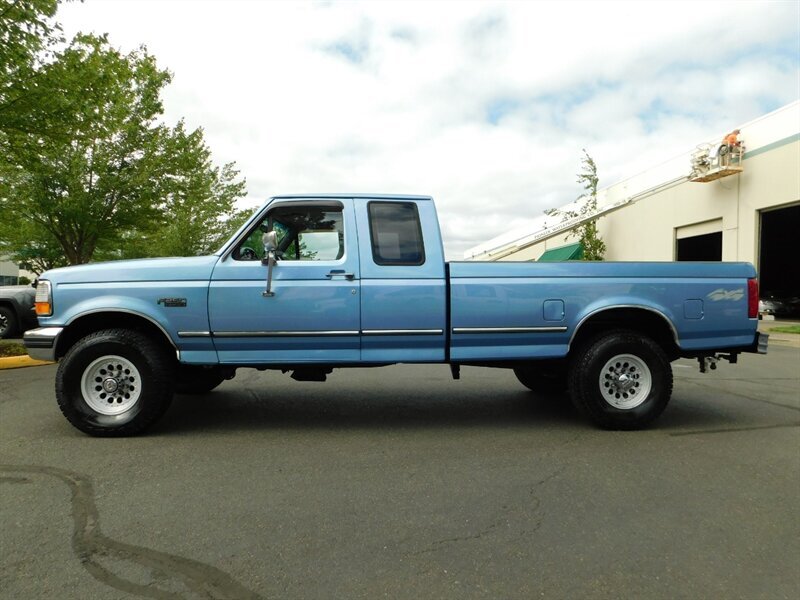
(313, 283)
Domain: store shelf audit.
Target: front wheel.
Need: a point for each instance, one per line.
(114, 383)
(621, 380)
(8, 322)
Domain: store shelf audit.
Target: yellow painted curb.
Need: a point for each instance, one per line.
(17, 362)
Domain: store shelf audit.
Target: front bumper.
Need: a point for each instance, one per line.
(41, 343)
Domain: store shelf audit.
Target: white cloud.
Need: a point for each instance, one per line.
(486, 106)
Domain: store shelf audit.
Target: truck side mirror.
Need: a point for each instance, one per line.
(270, 241)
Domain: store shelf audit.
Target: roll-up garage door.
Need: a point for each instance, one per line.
(699, 241)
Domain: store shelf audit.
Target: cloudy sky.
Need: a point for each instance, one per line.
(484, 105)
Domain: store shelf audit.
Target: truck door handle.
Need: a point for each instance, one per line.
(340, 273)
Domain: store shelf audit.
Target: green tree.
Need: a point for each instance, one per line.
(90, 184)
(114, 181)
(27, 33)
(198, 198)
(594, 247)
(26, 27)
(36, 250)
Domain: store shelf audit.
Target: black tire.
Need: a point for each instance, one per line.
(115, 383)
(191, 379)
(543, 381)
(8, 322)
(621, 380)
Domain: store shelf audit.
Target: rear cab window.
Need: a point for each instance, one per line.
(396, 234)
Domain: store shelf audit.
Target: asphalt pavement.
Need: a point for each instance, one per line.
(401, 483)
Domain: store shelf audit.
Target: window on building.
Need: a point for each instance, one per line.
(707, 247)
(699, 241)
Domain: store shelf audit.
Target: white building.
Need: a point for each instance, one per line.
(662, 215)
(9, 272)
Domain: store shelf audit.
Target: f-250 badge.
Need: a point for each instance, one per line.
(173, 302)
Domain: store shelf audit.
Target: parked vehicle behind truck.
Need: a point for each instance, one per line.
(313, 283)
(16, 310)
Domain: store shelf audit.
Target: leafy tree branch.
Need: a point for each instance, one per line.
(88, 169)
(594, 247)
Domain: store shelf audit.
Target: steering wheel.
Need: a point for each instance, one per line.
(247, 253)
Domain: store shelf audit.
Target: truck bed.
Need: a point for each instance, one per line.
(504, 310)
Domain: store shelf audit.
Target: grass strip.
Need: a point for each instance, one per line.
(11, 349)
(786, 329)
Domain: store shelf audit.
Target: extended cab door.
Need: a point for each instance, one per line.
(313, 316)
(403, 290)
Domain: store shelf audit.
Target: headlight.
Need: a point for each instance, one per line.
(44, 299)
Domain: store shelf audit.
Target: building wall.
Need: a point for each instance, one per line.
(648, 229)
(775, 183)
(664, 205)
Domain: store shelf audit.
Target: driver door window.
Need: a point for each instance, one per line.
(305, 233)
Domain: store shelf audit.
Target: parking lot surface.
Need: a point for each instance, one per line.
(402, 483)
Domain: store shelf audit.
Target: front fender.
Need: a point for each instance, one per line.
(177, 306)
(111, 304)
(174, 306)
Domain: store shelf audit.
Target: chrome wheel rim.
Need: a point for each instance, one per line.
(111, 385)
(3, 324)
(625, 381)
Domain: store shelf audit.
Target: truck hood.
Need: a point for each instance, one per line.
(146, 269)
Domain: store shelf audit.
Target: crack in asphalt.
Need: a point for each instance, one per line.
(167, 571)
(734, 429)
(531, 508)
(434, 546)
(740, 395)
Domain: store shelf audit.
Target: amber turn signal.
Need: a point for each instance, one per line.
(44, 299)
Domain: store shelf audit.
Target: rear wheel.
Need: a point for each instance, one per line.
(114, 383)
(621, 380)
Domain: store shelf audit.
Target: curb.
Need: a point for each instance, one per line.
(18, 362)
